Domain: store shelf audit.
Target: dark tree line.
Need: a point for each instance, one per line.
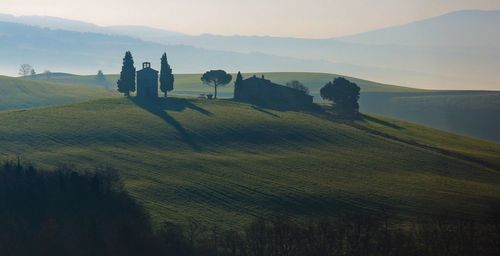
(346, 235)
(66, 212)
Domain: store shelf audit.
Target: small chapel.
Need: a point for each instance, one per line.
(147, 82)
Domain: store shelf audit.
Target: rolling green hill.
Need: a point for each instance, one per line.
(191, 84)
(226, 162)
(472, 113)
(16, 93)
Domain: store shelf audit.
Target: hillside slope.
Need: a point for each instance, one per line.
(471, 113)
(225, 162)
(191, 84)
(16, 93)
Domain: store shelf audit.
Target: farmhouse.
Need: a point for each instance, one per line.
(147, 81)
(261, 91)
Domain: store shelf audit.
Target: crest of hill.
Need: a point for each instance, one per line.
(192, 83)
(226, 162)
(471, 113)
(17, 93)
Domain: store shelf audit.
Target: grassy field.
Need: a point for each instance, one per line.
(226, 162)
(18, 93)
(465, 112)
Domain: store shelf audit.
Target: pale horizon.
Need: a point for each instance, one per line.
(323, 18)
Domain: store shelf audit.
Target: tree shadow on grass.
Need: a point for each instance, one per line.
(332, 113)
(158, 107)
(265, 111)
(175, 104)
(381, 122)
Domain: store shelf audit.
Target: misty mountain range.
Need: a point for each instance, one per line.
(459, 50)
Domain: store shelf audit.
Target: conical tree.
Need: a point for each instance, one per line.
(126, 83)
(237, 83)
(166, 76)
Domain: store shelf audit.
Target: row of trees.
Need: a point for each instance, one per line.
(126, 83)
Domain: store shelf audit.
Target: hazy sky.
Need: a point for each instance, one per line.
(298, 18)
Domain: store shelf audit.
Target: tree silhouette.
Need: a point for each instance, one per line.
(216, 78)
(25, 70)
(32, 72)
(126, 83)
(237, 83)
(344, 93)
(298, 86)
(166, 76)
(100, 76)
(101, 79)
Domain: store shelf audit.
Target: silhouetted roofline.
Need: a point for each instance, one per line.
(271, 84)
(146, 69)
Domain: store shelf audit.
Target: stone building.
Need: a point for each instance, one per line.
(147, 82)
(261, 91)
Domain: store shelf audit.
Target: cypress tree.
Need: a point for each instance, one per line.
(126, 83)
(166, 76)
(239, 79)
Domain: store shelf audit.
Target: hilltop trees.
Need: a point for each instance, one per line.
(166, 76)
(298, 86)
(216, 78)
(126, 83)
(25, 70)
(344, 93)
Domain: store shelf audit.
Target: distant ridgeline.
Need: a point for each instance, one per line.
(261, 91)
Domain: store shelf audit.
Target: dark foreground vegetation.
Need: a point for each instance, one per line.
(66, 212)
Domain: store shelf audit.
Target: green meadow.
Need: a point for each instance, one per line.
(18, 93)
(470, 113)
(225, 162)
